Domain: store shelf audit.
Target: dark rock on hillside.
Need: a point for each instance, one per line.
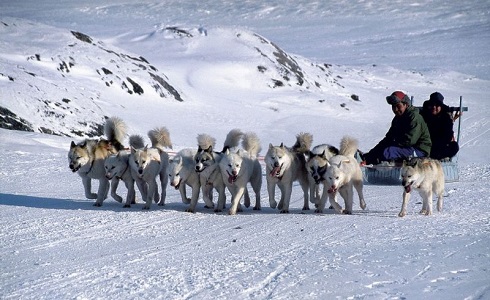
(9, 120)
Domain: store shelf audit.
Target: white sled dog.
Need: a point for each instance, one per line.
(117, 167)
(207, 166)
(285, 165)
(239, 168)
(343, 175)
(87, 158)
(148, 163)
(181, 171)
(317, 166)
(427, 177)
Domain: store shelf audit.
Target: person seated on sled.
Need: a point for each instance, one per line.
(440, 123)
(407, 137)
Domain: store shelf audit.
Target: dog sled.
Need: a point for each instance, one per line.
(389, 174)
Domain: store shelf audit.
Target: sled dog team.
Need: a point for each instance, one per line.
(322, 172)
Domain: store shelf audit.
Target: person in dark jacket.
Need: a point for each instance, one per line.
(440, 123)
(407, 137)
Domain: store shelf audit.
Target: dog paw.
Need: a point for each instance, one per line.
(97, 204)
(284, 211)
(402, 214)
(346, 212)
(146, 207)
(306, 208)
(217, 210)
(126, 206)
(273, 204)
(186, 200)
(318, 211)
(91, 196)
(423, 212)
(256, 208)
(232, 212)
(190, 210)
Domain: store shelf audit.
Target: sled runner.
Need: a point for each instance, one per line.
(389, 174)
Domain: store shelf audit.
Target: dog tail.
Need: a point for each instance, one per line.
(232, 139)
(205, 141)
(251, 144)
(303, 142)
(160, 138)
(115, 130)
(136, 141)
(348, 146)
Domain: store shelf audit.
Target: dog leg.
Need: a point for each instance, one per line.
(143, 188)
(428, 199)
(347, 193)
(87, 186)
(246, 201)
(358, 185)
(235, 199)
(403, 211)
(152, 191)
(194, 198)
(271, 189)
(333, 202)
(256, 188)
(322, 201)
(114, 185)
(163, 183)
(286, 190)
(305, 187)
(130, 198)
(102, 192)
(221, 198)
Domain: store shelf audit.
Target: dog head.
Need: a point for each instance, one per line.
(410, 173)
(335, 175)
(231, 164)
(141, 159)
(277, 160)
(174, 167)
(317, 166)
(78, 155)
(204, 158)
(115, 166)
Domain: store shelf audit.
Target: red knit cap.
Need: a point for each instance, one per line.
(396, 97)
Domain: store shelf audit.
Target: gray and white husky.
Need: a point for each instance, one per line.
(181, 171)
(343, 175)
(117, 167)
(148, 163)
(88, 156)
(241, 167)
(427, 177)
(317, 166)
(207, 166)
(285, 165)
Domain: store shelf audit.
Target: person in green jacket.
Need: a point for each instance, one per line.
(407, 137)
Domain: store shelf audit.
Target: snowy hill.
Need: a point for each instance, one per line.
(54, 84)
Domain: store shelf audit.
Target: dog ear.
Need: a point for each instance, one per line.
(327, 163)
(133, 150)
(209, 150)
(282, 145)
(73, 145)
(271, 146)
(146, 148)
(323, 155)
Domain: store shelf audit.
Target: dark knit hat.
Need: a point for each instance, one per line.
(397, 97)
(436, 99)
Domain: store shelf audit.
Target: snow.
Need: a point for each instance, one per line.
(56, 245)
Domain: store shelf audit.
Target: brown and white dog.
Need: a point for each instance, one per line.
(427, 177)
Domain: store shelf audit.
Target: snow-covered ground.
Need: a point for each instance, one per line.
(56, 245)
